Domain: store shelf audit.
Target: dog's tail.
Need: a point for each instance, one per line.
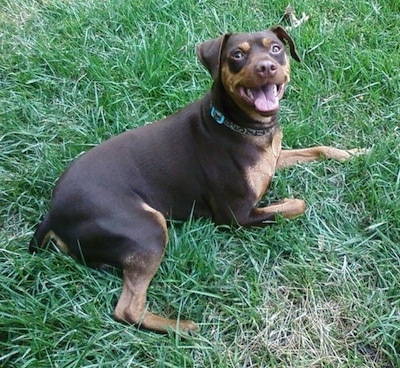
(40, 236)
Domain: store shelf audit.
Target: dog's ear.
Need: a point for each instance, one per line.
(284, 36)
(209, 53)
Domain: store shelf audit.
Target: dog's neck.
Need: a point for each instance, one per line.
(225, 111)
(221, 119)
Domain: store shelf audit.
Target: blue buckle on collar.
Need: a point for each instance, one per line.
(217, 116)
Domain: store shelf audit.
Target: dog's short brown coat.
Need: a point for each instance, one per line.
(110, 206)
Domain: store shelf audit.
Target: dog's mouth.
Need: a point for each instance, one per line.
(265, 99)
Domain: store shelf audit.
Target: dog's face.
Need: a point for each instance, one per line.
(252, 67)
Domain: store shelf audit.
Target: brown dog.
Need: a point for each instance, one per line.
(215, 158)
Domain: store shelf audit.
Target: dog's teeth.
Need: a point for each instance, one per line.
(275, 90)
(249, 93)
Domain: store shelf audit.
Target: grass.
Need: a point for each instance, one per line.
(319, 291)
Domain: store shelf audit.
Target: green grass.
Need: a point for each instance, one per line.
(319, 291)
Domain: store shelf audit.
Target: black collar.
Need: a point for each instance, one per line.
(220, 118)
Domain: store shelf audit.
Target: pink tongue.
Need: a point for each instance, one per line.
(265, 99)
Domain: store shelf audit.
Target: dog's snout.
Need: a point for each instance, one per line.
(266, 68)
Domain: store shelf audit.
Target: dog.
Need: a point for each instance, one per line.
(215, 158)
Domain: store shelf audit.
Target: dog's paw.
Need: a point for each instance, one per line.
(344, 155)
(358, 152)
(188, 327)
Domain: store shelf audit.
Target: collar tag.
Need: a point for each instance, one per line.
(217, 115)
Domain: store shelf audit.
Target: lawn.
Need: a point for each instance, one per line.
(322, 290)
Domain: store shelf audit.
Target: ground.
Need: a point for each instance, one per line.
(318, 291)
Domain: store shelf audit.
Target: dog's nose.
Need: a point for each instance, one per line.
(266, 68)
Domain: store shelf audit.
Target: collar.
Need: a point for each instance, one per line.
(220, 118)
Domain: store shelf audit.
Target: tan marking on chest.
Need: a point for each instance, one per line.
(259, 175)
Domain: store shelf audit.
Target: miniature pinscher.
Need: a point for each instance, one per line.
(215, 158)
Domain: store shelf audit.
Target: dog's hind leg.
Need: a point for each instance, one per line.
(41, 235)
(142, 257)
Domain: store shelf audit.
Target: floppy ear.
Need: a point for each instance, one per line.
(284, 36)
(209, 53)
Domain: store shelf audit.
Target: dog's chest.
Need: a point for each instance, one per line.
(261, 172)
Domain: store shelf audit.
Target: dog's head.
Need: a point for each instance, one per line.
(253, 68)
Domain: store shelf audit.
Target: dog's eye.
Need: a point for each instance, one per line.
(276, 49)
(238, 55)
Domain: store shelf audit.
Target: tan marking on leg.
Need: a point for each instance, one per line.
(159, 217)
(288, 208)
(60, 244)
(131, 306)
(138, 271)
(292, 157)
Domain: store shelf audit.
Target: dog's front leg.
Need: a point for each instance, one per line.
(298, 156)
(261, 216)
